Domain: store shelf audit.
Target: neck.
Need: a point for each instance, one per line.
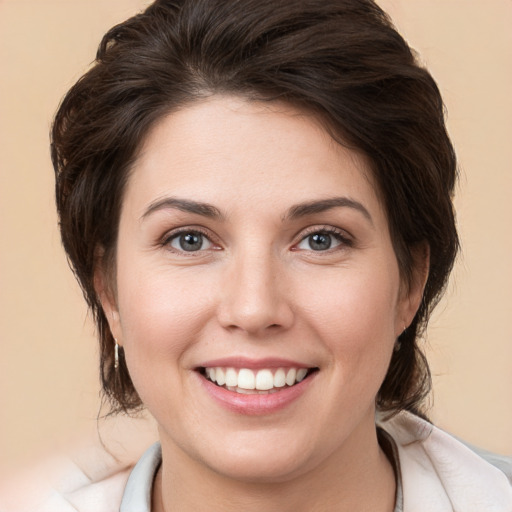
(356, 477)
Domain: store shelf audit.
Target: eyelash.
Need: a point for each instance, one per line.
(336, 233)
(173, 235)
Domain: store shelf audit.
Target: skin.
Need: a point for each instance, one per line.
(258, 289)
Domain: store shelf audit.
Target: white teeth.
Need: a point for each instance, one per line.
(290, 376)
(262, 381)
(279, 378)
(231, 377)
(220, 376)
(301, 374)
(246, 379)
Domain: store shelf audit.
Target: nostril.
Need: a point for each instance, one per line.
(254, 304)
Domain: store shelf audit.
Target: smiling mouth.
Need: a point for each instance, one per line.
(249, 382)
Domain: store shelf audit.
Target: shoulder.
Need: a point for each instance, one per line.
(88, 473)
(61, 484)
(440, 473)
(102, 494)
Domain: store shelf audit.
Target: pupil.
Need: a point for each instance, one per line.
(191, 242)
(320, 242)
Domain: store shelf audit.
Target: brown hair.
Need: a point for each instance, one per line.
(341, 59)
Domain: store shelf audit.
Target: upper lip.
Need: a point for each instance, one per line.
(255, 364)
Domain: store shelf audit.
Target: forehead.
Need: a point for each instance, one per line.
(227, 148)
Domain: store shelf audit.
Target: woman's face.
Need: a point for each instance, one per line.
(253, 249)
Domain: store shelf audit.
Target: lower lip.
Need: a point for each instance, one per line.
(256, 404)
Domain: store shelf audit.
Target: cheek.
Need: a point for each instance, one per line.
(355, 316)
(161, 314)
(359, 305)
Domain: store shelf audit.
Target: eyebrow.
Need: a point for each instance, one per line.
(295, 212)
(312, 207)
(185, 205)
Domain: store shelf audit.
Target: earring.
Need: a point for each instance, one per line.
(116, 355)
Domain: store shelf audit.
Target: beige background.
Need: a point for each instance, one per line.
(48, 375)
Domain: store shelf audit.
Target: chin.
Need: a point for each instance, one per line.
(261, 461)
(259, 470)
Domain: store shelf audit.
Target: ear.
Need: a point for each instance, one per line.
(411, 293)
(105, 291)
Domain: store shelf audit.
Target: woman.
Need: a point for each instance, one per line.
(256, 198)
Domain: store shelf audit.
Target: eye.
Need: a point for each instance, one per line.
(189, 241)
(322, 240)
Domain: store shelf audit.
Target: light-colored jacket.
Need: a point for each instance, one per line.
(438, 474)
(441, 474)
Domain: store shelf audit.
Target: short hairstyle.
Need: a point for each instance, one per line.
(343, 60)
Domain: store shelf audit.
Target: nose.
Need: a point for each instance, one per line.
(255, 298)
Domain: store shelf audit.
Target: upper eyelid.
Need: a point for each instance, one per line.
(173, 233)
(214, 239)
(345, 239)
(303, 233)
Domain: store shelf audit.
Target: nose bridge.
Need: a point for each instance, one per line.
(255, 297)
